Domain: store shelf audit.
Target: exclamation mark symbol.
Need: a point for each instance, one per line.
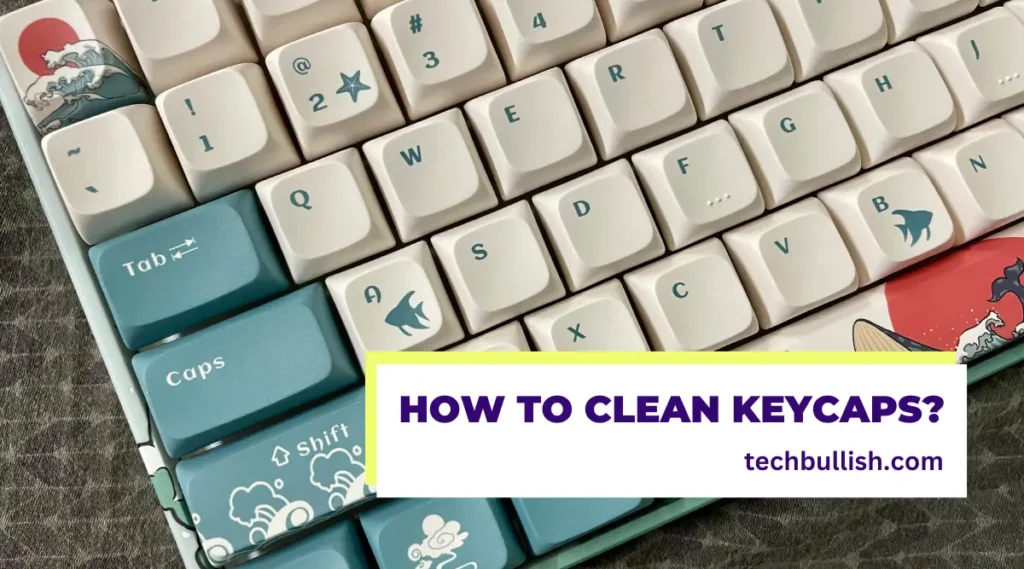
(188, 103)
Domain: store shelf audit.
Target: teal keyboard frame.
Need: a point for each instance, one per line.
(117, 359)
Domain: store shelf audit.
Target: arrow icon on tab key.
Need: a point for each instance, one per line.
(188, 243)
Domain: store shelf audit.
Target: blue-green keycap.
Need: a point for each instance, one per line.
(188, 269)
(336, 547)
(551, 522)
(243, 370)
(456, 533)
(291, 475)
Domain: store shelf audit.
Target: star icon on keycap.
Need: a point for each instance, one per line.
(352, 85)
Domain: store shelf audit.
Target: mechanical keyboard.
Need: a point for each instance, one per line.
(250, 196)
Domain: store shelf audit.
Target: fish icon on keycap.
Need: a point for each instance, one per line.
(405, 315)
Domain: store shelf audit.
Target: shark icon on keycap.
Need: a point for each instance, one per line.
(405, 315)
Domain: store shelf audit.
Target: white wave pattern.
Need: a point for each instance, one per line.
(47, 89)
(982, 338)
(81, 49)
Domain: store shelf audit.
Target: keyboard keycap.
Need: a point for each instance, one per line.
(372, 7)
(276, 23)
(334, 90)
(599, 225)
(532, 133)
(632, 93)
(116, 172)
(439, 53)
(290, 476)
(791, 261)
(699, 184)
(598, 320)
(895, 101)
(177, 42)
(336, 547)
(180, 272)
(692, 300)
(226, 130)
(508, 338)
(468, 533)
(244, 370)
(906, 18)
(325, 215)
(623, 18)
(499, 266)
(551, 522)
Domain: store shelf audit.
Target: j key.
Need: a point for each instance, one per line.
(290, 476)
(472, 532)
(50, 79)
(336, 547)
(598, 320)
(116, 172)
(180, 272)
(508, 338)
(244, 370)
(177, 42)
(276, 23)
(906, 18)
(551, 522)
(623, 18)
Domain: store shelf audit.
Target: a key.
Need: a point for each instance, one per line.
(532, 133)
(275, 23)
(692, 300)
(226, 130)
(116, 172)
(895, 101)
(906, 18)
(982, 61)
(791, 261)
(551, 522)
(499, 266)
(599, 225)
(177, 42)
(508, 338)
(439, 52)
(623, 18)
(533, 35)
(892, 218)
(244, 370)
(396, 303)
(699, 184)
(798, 143)
(598, 320)
(334, 90)
(338, 546)
(180, 272)
(823, 35)
(731, 54)
(430, 174)
(287, 477)
(325, 215)
(978, 174)
(632, 93)
(71, 60)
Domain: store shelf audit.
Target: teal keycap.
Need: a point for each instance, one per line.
(336, 547)
(243, 370)
(470, 533)
(297, 473)
(188, 269)
(551, 522)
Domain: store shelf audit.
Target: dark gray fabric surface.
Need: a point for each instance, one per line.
(74, 494)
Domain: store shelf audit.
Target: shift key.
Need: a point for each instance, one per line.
(188, 269)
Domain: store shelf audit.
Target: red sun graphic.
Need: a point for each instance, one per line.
(41, 36)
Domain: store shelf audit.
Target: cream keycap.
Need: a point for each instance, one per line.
(978, 173)
(798, 143)
(276, 23)
(692, 300)
(699, 184)
(508, 338)
(632, 93)
(906, 18)
(599, 225)
(823, 35)
(498, 266)
(731, 54)
(895, 101)
(395, 303)
(372, 7)
(226, 130)
(791, 261)
(891, 218)
(598, 320)
(334, 89)
(439, 53)
(623, 18)
(325, 215)
(177, 42)
(982, 61)
(533, 35)
(116, 172)
(430, 174)
(532, 133)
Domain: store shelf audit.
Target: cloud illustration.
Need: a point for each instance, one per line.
(334, 470)
(257, 503)
(442, 538)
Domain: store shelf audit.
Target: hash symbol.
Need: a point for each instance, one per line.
(416, 24)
